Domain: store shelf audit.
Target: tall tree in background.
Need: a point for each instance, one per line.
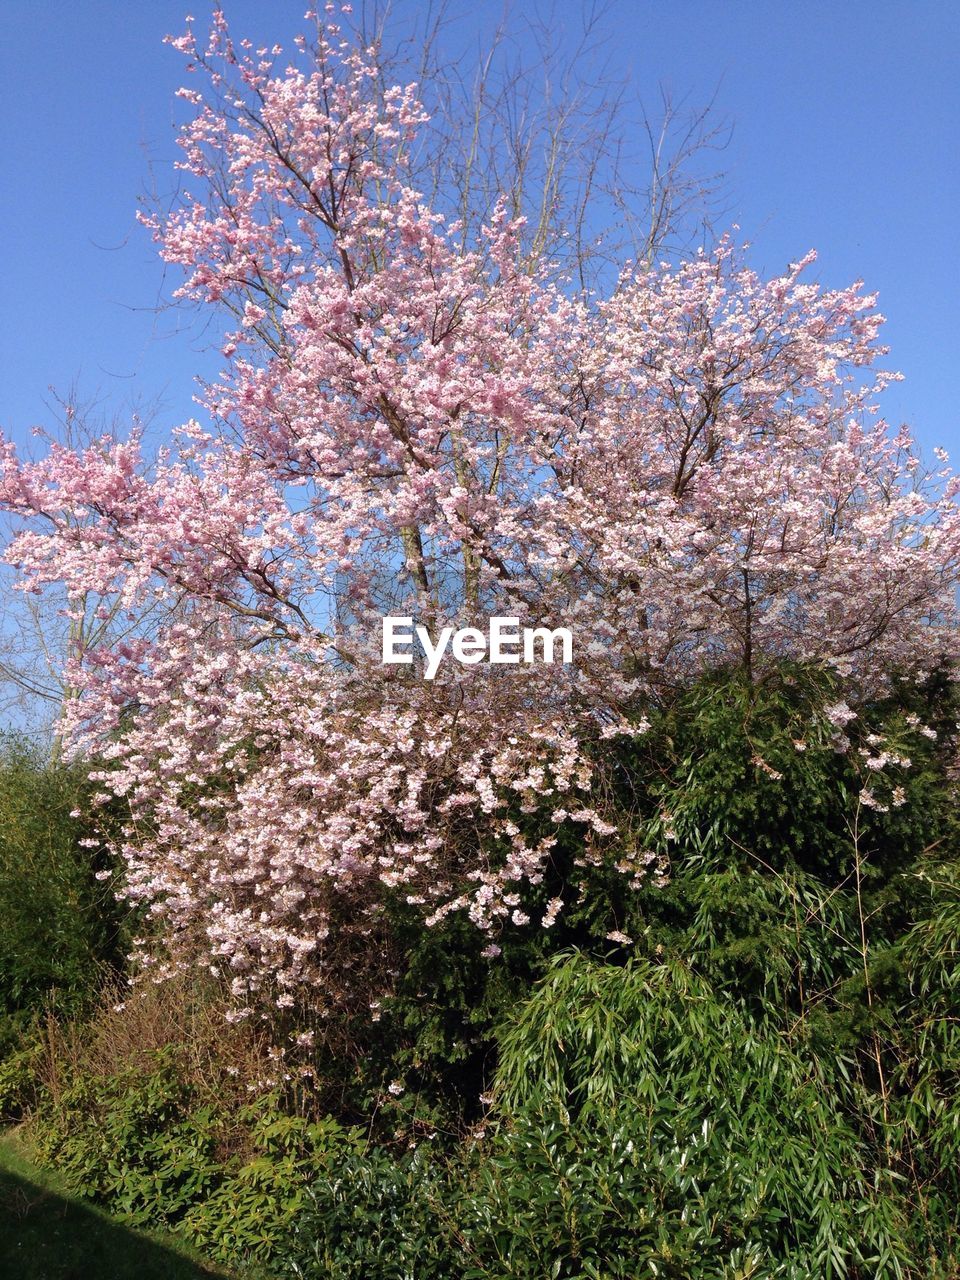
(531, 119)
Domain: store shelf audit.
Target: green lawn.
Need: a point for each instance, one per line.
(48, 1234)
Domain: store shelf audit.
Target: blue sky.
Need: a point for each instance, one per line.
(846, 117)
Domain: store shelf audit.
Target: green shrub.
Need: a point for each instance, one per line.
(154, 1146)
(644, 1126)
(652, 1127)
(19, 1078)
(925, 1079)
(251, 1213)
(136, 1141)
(378, 1216)
(753, 771)
(58, 924)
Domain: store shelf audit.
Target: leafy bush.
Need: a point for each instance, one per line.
(58, 924)
(760, 770)
(653, 1127)
(926, 1076)
(19, 1078)
(136, 1141)
(378, 1217)
(154, 1143)
(251, 1213)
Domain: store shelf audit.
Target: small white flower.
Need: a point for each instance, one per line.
(870, 800)
(839, 713)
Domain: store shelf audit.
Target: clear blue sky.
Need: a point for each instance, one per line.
(846, 124)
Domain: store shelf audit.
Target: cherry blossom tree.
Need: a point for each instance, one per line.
(419, 416)
(41, 630)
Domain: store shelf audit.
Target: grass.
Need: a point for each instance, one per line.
(48, 1234)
